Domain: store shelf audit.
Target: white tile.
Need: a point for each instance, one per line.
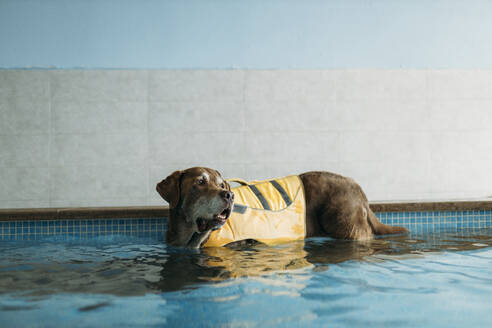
(391, 177)
(76, 183)
(24, 184)
(265, 147)
(183, 147)
(461, 145)
(469, 114)
(456, 195)
(99, 149)
(99, 85)
(461, 176)
(385, 196)
(218, 116)
(196, 85)
(326, 165)
(459, 84)
(292, 116)
(156, 200)
(158, 173)
(375, 84)
(226, 170)
(402, 134)
(24, 150)
(384, 115)
(99, 117)
(290, 85)
(105, 202)
(4, 204)
(393, 146)
(303, 166)
(263, 171)
(25, 84)
(24, 116)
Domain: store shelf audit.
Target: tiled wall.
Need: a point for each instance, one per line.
(105, 137)
(83, 229)
(418, 223)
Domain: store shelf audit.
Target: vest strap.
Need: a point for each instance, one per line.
(260, 197)
(282, 192)
(238, 180)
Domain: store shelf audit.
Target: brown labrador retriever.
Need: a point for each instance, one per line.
(200, 200)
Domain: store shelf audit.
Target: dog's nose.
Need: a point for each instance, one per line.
(227, 195)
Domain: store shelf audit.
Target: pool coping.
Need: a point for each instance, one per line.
(163, 211)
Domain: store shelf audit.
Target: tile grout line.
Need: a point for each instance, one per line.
(50, 140)
(244, 138)
(147, 144)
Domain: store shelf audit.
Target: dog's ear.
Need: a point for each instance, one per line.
(169, 188)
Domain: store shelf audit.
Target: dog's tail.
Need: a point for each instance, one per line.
(379, 228)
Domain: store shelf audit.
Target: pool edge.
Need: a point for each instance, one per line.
(163, 211)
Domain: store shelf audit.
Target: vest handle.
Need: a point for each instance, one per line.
(238, 180)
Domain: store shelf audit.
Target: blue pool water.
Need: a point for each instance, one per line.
(439, 279)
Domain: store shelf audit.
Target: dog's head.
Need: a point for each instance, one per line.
(201, 201)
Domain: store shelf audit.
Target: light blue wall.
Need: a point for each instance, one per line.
(245, 34)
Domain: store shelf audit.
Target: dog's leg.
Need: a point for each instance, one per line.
(198, 239)
(347, 220)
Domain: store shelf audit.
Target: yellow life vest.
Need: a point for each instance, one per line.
(270, 211)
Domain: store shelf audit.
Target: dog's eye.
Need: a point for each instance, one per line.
(201, 181)
(222, 185)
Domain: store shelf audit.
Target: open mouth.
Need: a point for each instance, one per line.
(215, 223)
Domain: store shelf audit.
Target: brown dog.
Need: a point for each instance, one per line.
(200, 200)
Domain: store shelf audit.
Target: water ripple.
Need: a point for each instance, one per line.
(395, 281)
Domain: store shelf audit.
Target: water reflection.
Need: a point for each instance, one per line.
(218, 264)
(183, 270)
(135, 269)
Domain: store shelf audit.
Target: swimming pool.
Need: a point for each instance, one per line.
(120, 273)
